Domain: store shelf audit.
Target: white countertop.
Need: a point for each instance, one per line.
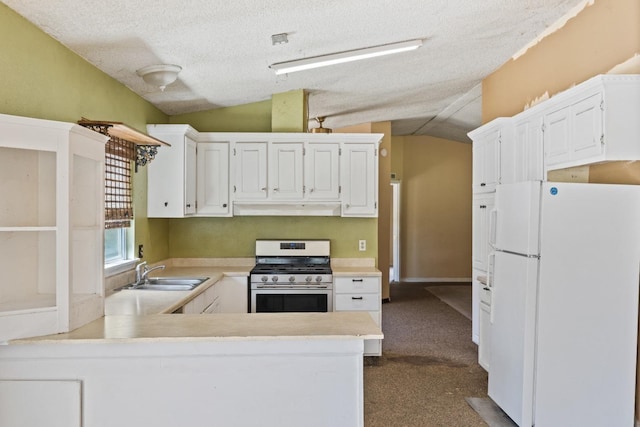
(145, 315)
(131, 302)
(219, 327)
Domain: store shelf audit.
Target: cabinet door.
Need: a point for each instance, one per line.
(359, 180)
(213, 179)
(234, 294)
(486, 161)
(586, 125)
(557, 136)
(484, 344)
(250, 177)
(52, 403)
(527, 160)
(322, 173)
(285, 171)
(481, 207)
(190, 148)
(166, 179)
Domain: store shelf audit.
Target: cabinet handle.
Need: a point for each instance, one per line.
(275, 190)
(357, 280)
(482, 184)
(486, 289)
(263, 189)
(166, 204)
(483, 206)
(188, 205)
(224, 205)
(356, 297)
(311, 190)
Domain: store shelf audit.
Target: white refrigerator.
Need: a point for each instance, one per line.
(564, 277)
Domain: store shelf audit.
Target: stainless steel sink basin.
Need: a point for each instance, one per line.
(166, 284)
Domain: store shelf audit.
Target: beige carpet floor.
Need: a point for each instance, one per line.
(456, 295)
(428, 367)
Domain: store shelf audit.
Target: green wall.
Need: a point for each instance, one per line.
(43, 79)
(235, 237)
(255, 117)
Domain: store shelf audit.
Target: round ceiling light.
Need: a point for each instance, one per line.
(160, 75)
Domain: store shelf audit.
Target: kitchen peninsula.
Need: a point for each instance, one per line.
(184, 369)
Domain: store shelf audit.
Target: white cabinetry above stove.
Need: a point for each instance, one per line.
(280, 174)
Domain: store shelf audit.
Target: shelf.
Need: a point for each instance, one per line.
(43, 302)
(23, 229)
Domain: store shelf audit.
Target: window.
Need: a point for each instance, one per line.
(125, 145)
(115, 245)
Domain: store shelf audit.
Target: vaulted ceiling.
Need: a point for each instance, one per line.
(225, 49)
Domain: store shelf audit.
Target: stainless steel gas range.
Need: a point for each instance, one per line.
(291, 276)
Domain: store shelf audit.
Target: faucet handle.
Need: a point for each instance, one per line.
(139, 268)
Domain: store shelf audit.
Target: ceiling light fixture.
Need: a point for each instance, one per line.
(342, 57)
(160, 75)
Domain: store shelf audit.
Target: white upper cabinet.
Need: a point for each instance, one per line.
(286, 170)
(486, 154)
(322, 171)
(522, 159)
(171, 176)
(51, 226)
(241, 173)
(359, 180)
(249, 166)
(592, 122)
(213, 179)
(574, 132)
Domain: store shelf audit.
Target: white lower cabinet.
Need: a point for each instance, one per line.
(484, 344)
(52, 403)
(360, 293)
(228, 295)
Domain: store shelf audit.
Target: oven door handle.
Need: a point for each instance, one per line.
(291, 287)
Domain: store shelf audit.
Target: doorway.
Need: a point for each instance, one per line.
(394, 268)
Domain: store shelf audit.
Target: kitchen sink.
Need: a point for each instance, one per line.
(166, 284)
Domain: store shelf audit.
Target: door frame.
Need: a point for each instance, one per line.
(395, 230)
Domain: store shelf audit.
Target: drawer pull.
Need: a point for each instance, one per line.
(357, 280)
(356, 297)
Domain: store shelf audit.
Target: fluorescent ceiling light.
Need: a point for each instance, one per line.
(342, 57)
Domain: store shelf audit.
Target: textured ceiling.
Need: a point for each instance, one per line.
(225, 50)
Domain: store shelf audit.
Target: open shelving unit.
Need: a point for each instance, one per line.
(51, 226)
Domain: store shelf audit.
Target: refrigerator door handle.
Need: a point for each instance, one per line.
(491, 261)
(490, 272)
(493, 222)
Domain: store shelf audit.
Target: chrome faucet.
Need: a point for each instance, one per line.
(142, 271)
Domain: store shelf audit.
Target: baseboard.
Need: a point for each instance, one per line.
(434, 279)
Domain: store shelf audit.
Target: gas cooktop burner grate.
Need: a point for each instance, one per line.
(283, 269)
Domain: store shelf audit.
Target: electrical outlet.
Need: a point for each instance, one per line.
(362, 245)
(140, 251)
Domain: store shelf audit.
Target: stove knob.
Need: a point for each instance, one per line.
(308, 278)
(292, 279)
(275, 278)
(264, 278)
(319, 279)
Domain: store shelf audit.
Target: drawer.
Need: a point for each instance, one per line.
(485, 295)
(368, 285)
(357, 302)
